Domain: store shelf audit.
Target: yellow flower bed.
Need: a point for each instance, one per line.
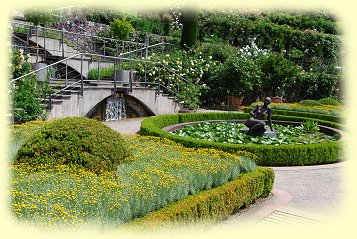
(161, 173)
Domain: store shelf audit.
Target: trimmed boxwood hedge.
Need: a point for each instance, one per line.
(268, 155)
(211, 205)
(76, 141)
(324, 117)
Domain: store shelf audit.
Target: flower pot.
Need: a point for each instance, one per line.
(277, 99)
(41, 75)
(122, 75)
(235, 101)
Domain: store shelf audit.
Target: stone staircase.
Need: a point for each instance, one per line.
(76, 96)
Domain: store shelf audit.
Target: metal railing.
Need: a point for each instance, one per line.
(162, 82)
(83, 42)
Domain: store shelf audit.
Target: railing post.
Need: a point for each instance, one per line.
(145, 72)
(115, 75)
(104, 48)
(131, 76)
(13, 97)
(13, 89)
(98, 70)
(62, 41)
(44, 45)
(50, 101)
(77, 44)
(158, 82)
(82, 75)
(146, 46)
(65, 84)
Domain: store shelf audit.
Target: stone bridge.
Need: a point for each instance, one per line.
(141, 98)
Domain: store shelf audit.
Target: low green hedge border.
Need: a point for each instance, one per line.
(325, 117)
(211, 205)
(268, 155)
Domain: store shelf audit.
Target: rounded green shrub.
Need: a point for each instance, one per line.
(218, 51)
(329, 101)
(310, 103)
(76, 141)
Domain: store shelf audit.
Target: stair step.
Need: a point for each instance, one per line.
(54, 101)
(60, 96)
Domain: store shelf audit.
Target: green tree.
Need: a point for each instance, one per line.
(190, 28)
(121, 28)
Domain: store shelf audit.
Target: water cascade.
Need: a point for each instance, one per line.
(115, 109)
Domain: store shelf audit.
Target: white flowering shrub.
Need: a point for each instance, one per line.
(186, 72)
(252, 50)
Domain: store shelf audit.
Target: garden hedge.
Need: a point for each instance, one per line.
(293, 113)
(76, 141)
(268, 155)
(211, 205)
(272, 36)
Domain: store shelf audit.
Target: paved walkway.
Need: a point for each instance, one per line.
(307, 195)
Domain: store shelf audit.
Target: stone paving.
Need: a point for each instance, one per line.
(300, 194)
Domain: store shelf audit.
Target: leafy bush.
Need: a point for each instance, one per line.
(304, 21)
(309, 103)
(218, 51)
(120, 28)
(38, 16)
(101, 15)
(237, 77)
(320, 81)
(26, 102)
(329, 101)
(28, 91)
(211, 205)
(277, 73)
(75, 141)
(310, 127)
(104, 72)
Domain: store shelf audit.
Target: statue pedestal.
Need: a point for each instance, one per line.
(267, 132)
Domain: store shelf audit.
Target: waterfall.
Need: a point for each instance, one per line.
(115, 109)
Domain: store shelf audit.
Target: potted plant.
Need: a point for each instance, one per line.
(237, 77)
(120, 29)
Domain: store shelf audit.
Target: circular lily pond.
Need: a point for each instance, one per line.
(228, 132)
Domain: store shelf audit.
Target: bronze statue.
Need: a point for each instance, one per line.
(256, 123)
